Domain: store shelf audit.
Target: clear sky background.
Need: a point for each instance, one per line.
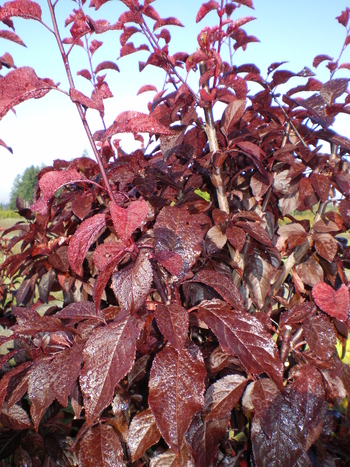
(49, 128)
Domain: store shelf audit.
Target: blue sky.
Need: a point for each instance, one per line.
(49, 128)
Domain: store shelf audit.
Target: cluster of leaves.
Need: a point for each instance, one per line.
(195, 328)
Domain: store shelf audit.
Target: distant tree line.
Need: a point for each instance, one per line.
(23, 185)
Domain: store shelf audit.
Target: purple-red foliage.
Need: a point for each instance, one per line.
(161, 313)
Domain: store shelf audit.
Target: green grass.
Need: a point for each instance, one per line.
(9, 214)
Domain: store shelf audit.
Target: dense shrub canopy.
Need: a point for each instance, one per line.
(167, 307)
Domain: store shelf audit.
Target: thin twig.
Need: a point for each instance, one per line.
(79, 107)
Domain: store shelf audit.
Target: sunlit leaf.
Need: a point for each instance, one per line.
(143, 433)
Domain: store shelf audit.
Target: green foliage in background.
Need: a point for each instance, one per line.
(23, 186)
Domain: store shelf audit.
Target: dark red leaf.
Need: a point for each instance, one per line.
(143, 433)
(94, 45)
(179, 232)
(150, 12)
(30, 322)
(203, 438)
(106, 65)
(321, 185)
(320, 336)
(334, 303)
(172, 321)
(11, 36)
(85, 74)
(343, 19)
(83, 238)
(52, 378)
(127, 33)
(248, 3)
(326, 246)
(132, 284)
(52, 181)
(21, 8)
(222, 396)
(241, 334)
(274, 66)
(20, 85)
(100, 446)
(167, 22)
(310, 272)
(222, 285)
(81, 205)
(236, 236)
(255, 230)
(80, 98)
(319, 59)
(126, 221)
(344, 210)
(263, 393)
(281, 77)
(333, 89)
(108, 356)
(146, 88)
(232, 115)
(194, 59)
(176, 388)
(107, 252)
(79, 311)
(136, 122)
(105, 274)
(205, 8)
(131, 16)
(171, 261)
(15, 418)
(170, 459)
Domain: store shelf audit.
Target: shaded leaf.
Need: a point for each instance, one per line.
(222, 285)
(320, 336)
(172, 321)
(203, 438)
(256, 231)
(176, 388)
(126, 221)
(15, 417)
(321, 185)
(222, 396)
(143, 433)
(232, 114)
(334, 303)
(53, 378)
(258, 274)
(20, 85)
(241, 334)
(179, 232)
(333, 89)
(100, 447)
(263, 394)
(108, 356)
(83, 238)
(132, 284)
